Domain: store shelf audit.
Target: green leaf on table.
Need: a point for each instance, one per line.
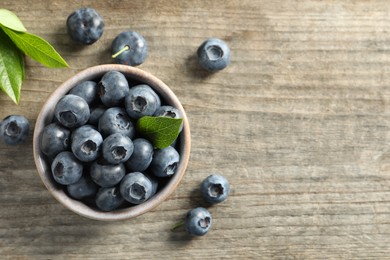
(37, 48)
(11, 21)
(161, 131)
(11, 68)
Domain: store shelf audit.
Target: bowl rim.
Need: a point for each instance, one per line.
(45, 117)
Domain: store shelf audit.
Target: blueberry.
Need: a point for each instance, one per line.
(142, 156)
(142, 101)
(85, 25)
(215, 188)
(164, 162)
(55, 138)
(14, 129)
(107, 175)
(86, 90)
(96, 113)
(66, 168)
(116, 120)
(198, 221)
(136, 187)
(83, 188)
(129, 48)
(108, 199)
(113, 88)
(117, 148)
(86, 143)
(169, 111)
(213, 54)
(72, 111)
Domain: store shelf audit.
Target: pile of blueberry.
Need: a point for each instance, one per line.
(94, 149)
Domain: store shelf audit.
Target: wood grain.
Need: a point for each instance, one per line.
(299, 124)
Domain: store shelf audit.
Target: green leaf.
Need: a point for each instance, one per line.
(10, 20)
(161, 131)
(37, 48)
(11, 68)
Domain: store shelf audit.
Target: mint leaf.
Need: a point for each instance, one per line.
(11, 68)
(10, 20)
(37, 48)
(161, 131)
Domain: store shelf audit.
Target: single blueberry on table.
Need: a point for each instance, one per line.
(14, 129)
(108, 199)
(86, 90)
(113, 88)
(105, 174)
(213, 54)
(83, 188)
(116, 120)
(66, 168)
(215, 188)
(117, 148)
(136, 187)
(142, 156)
(85, 25)
(142, 101)
(55, 138)
(164, 162)
(129, 48)
(72, 111)
(198, 221)
(86, 143)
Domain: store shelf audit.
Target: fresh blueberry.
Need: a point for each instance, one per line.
(215, 188)
(14, 129)
(129, 48)
(198, 221)
(108, 199)
(107, 175)
(86, 90)
(85, 25)
(66, 168)
(169, 111)
(96, 113)
(164, 162)
(136, 187)
(72, 111)
(117, 148)
(113, 88)
(116, 120)
(86, 143)
(213, 54)
(142, 156)
(55, 138)
(142, 101)
(83, 188)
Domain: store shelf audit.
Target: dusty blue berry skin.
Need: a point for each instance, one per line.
(164, 162)
(117, 148)
(116, 120)
(142, 101)
(72, 111)
(85, 25)
(215, 188)
(113, 88)
(142, 156)
(169, 111)
(86, 90)
(14, 129)
(108, 199)
(83, 188)
(213, 54)
(137, 52)
(107, 175)
(198, 221)
(55, 138)
(86, 143)
(66, 168)
(96, 113)
(136, 187)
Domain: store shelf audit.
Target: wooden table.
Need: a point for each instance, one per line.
(299, 124)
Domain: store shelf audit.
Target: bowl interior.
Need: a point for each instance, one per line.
(46, 115)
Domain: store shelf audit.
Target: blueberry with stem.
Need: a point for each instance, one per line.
(129, 48)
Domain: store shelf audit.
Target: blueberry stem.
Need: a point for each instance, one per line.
(178, 225)
(126, 48)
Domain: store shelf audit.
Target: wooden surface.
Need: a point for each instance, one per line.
(299, 124)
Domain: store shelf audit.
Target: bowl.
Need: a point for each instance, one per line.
(46, 116)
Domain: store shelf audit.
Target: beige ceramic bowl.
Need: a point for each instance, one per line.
(46, 115)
